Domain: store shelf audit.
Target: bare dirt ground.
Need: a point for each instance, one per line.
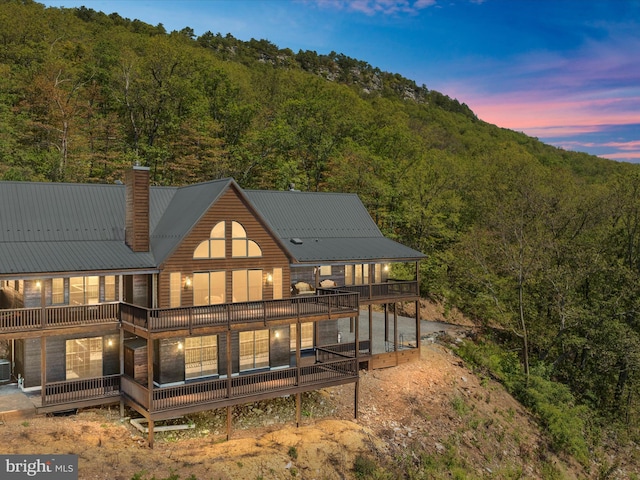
(435, 408)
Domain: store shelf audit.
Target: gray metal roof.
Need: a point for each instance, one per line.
(64, 227)
(58, 227)
(326, 227)
(74, 256)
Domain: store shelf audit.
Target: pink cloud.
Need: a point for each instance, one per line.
(535, 115)
(627, 156)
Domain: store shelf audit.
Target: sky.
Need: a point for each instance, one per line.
(564, 71)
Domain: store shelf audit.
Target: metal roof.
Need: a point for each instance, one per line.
(326, 227)
(65, 227)
(74, 256)
(59, 227)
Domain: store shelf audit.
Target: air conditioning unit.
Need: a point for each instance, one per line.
(5, 370)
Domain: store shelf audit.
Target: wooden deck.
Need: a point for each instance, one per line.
(36, 320)
(337, 302)
(229, 315)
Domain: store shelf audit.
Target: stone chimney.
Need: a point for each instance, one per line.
(137, 205)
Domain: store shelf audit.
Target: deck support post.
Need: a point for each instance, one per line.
(43, 346)
(418, 332)
(356, 390)
(43, 368)
(150, 434)
(386, 322)
(395, 327)
(298, 408)
(357, 342)
(150, 374)
(121, 369)
(370, 329)
(229, 383)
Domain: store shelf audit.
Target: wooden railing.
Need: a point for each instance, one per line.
(385, 290)
(244, 386)
(70, 391)
(338, 350)
(156, 320)
(27, 319)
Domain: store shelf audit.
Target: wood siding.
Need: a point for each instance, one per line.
(28, 361)
(168, 361)
(135, 360)
(229, 207)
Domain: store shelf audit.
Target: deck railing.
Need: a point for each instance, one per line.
(337, 350)
(339, 300)
(217, 390)
(387, 290)
(70, 391)
(27, 319)
(156, 320)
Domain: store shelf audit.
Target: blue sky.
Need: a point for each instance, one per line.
(564, 71)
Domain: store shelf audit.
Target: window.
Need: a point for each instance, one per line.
(254, 349)
(110, 288)
(214, 247)
(175, 286)
(84, 358)
(200, 356)
(325, 270)
(84, 290)
(208, 288)
(241, 246)
(378, 273)
(306, 335)
(276, 278)
(247, 285)
(57, 291)
(356, 274)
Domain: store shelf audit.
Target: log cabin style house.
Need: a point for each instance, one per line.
(174, 300)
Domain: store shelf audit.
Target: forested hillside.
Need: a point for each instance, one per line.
(537, 241)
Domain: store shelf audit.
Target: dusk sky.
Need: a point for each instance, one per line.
(564, 71)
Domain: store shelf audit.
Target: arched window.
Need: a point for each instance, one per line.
(213, 247)
(241, 246)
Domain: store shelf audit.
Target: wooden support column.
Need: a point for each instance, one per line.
(150, 434)
(357, 341)
(386, 322)
(356, 390)
(150, 389)
(43, 368)
(43, 348)
(121, 367)
(229, 384)
(395, 327)
(298, 360)
(370, 329)
(418, 319)
(418, 330)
